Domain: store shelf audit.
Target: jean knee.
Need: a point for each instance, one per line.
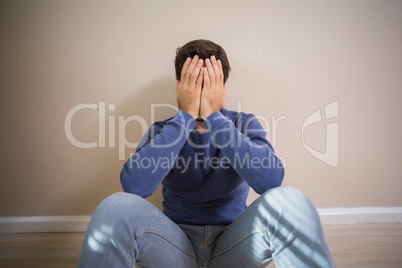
(121, 198)
(118, 206)
(286, 197)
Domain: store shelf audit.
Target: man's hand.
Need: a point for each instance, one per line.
(213, 94)
(188, 89)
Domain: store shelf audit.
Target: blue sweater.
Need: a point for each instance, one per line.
(205, 177)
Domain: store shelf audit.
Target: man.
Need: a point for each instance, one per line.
(206, 158)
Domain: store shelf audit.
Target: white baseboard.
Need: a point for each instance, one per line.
(360, 215)
(42, 224)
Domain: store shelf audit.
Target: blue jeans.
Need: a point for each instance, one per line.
(281, 225)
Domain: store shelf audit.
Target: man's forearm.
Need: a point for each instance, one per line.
(251, 155)
(145, 170)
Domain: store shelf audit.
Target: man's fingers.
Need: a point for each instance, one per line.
(207, 82)
(215, 66)
(191, 65)
(221, 70)
(198, 83)
(195, 73)
(211, 72)
(185, 66)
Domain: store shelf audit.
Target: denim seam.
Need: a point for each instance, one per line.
(286, 243)
(254, 231)
(157, 232)
(204, 244)
(128, 251)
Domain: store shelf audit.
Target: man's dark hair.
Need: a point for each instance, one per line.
(204, 49)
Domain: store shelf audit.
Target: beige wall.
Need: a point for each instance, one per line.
(289, 58)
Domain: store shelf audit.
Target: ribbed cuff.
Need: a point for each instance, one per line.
(214, 120)
(185, 119)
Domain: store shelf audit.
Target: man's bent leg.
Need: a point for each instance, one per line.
(125, 229)
(282, 225)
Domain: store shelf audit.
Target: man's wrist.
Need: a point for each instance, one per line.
(185, 119)
(195, 115)
(213, 120)
(206, 114)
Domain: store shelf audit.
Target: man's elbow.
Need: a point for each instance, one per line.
(132, 188)
(278, 175)
(127, 184)
(273, 178)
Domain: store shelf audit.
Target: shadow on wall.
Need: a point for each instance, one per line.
(103, 177)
